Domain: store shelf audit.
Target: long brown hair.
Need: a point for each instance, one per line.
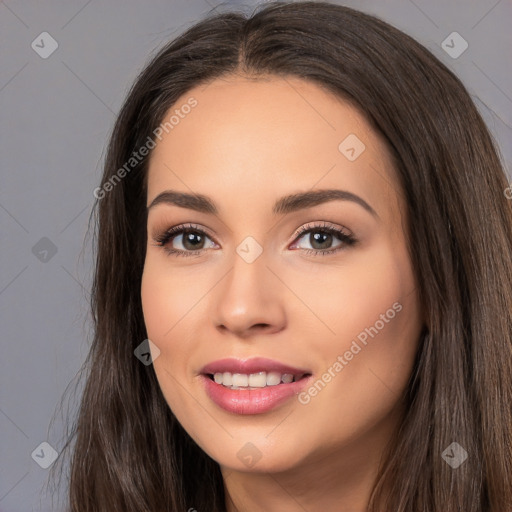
(130, 453)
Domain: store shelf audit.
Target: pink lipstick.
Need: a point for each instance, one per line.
(252, 386)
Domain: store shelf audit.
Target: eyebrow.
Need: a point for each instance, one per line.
(282, 206)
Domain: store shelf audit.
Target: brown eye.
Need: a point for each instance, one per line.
(192, 241)
(321, 239)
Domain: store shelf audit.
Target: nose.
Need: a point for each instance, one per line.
(249, 300)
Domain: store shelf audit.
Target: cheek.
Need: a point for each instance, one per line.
(377, 322)
(165, 301)
(371, 289)
(168, 297)
(158, 303)
(383, 316)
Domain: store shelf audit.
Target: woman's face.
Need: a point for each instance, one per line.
(266, 280)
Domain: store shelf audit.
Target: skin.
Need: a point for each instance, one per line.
(246, 144)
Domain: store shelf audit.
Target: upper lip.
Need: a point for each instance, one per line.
(248, 366)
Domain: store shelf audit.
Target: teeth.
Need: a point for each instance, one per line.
(287, 378)
(273, 378)
(257, 380)
(254, 380)
(240, 380)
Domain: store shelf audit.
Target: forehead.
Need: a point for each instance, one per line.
(265, 138)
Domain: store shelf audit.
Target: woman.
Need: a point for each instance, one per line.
(233, 368)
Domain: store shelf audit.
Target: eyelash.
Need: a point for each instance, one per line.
(163, 239)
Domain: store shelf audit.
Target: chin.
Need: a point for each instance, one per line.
(249, 456)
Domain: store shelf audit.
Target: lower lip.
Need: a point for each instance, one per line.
(252, 401)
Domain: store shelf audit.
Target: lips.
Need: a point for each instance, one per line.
(252, 400)
(253, 365)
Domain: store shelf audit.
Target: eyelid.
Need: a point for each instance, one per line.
(160, 234)
(321, 224)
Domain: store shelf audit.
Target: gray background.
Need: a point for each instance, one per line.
(56, 116)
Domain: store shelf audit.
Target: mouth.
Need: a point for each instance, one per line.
(258, 380)
(253, 372)
(252, 386)
(253, 393)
